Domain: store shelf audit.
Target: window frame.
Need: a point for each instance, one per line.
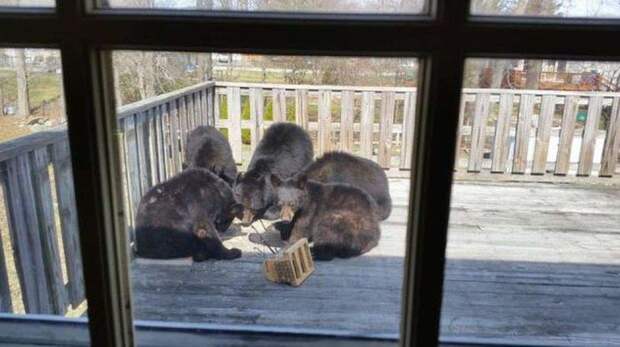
(442, 39)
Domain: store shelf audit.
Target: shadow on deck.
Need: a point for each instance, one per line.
(526, 263)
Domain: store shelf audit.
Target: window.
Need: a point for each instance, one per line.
(547, 8)
(27, 3)
(440, 36)
(40, 257)
(533, 216)
(347, 106)
(338, 6)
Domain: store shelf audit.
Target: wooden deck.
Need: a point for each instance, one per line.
(528, 262)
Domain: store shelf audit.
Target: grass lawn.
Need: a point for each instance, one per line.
(42, 86)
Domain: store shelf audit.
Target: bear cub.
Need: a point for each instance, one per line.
(341, 167)
(207, 148)
(339, 219)
(284, 150)
(183, 217)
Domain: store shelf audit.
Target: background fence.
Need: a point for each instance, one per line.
(502, 131)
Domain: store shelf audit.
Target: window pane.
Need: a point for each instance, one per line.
(341, 6)
(27, 3)
(534, 233)
(361, 106)
(40, 261)
(547, 8)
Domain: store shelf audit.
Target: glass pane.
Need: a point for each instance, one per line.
(331, 6)
(547, 8)
(534, 232)
(40, 261)
(27, 3)
(266, 116)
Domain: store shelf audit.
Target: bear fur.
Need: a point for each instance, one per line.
(207, 148)
(341, 167)
(284, 151)
(339, 219)
(183, 217)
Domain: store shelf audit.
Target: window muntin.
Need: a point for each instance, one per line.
(40, 258)
(533, 225)
(547, 8)
(358, 105)
(319, 6)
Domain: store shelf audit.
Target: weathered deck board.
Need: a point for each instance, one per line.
(527, 263)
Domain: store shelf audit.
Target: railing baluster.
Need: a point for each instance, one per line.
(301, 108)
(367, 125)
(325, 121)
(502, 133)
(562, 162)
(133, 168)
(181, 131)
(279, 104)
(612, 142)
(44, 202)
(586, 153)
(385, 129)
(478, 132)
(256, 116)
(522, 137)
(6, 304)
(234, 121)
(408, 129)
(152, 145)
(177, 122)
(143, 152)
(543, 133)
(346, 120)
(459, 131)
(63, 178)
(25, 235)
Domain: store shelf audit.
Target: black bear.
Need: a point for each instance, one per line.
(340, 167)
(207, 148)
(183, 216)
(340, 220)
(284, 151)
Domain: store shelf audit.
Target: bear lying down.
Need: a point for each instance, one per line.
(183, 217)
(341, 220)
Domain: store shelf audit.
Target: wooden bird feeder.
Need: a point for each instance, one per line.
(292, 265)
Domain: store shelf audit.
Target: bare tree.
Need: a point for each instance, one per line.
(23, 103)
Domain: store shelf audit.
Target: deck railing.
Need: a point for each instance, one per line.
(538, 132)
(503, 131)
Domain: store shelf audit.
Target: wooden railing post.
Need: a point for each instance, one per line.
(367, 122)
(502, 133)
(522, 137)
(234, 119)
(385, 129)
(562, 163)
(301, 108)
(611, 148)
(257, 103)
(63, 178)
(408, 130)
(588, 141)
(325, 122)
(346, 121)
(541, 151)
(478, 132)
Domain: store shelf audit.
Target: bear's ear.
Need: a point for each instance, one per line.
(275, 181)
(301, 181)
(236, 210)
